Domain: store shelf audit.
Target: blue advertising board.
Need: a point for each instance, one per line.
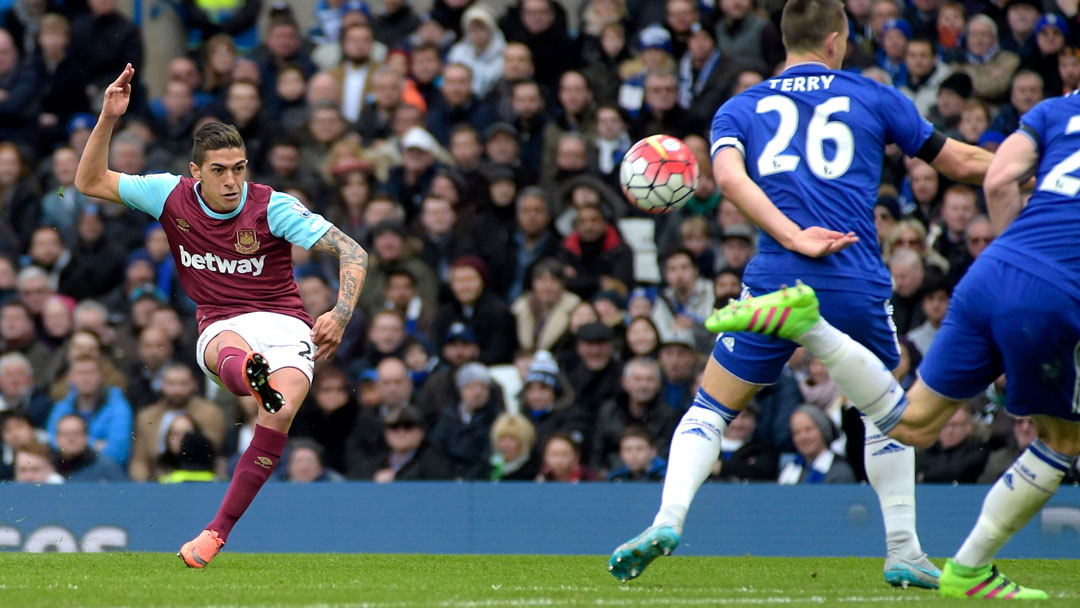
(435, 517)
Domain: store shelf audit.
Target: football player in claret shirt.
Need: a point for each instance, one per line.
(232, 240)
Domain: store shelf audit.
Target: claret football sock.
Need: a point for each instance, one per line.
(252, 470)
(1014, 499)
(231, 370)
(861, 376)
(695, 446)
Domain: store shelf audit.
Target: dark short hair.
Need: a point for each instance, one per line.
(215, 136)
(549, 265)
(806, 24)
(638, 431)
(677, 251)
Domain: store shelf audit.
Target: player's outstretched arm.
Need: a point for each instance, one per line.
(93, 177)
(963, 162)
(353, 262)
(1015, 159)
(729, 170)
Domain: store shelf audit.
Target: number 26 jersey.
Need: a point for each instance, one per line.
(813, 139)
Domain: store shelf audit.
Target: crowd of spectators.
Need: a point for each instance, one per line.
(510, 327)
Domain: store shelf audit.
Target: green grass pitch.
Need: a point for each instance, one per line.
(481, 581)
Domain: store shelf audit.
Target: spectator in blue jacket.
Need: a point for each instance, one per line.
(104, 408)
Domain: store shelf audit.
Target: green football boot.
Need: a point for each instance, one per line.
(787, 313)
(984, 583)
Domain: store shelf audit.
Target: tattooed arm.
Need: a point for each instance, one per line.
(353, 261)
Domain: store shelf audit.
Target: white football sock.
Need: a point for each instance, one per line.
(890, 467)
(1016, 496)
(695, 446)
(861, 376)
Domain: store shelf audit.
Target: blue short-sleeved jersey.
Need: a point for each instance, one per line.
(814, 140)
(1043, 239)
(1017, 309)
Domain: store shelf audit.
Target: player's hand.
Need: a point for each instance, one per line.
(327, 333)
(817, 242)
(118, 94)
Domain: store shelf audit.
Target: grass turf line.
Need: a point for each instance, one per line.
(478, 581)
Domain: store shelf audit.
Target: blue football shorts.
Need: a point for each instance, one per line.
(760, 359)
(1003, 319)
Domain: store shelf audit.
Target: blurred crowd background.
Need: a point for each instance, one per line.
(520, 320)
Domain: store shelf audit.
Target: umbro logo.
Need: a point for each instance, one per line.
(696, 431)
(890, 448)
(1007, 478)
(264, 462)
(183, 225)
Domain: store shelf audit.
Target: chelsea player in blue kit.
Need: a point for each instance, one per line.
(1017, 311)
(801, 154)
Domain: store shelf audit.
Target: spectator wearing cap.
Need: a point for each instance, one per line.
(742, 32)
(1026, 91)
(395, 23)
(408, 455)
(1069, 69)
(97, 262)
(456, 103)
(813, 431)
(595, 256)
(479, 308)
(638, 403)
(654, 44)
(686, 301)
(1020, 19)
(952, 95)
(895, 35)
(593, 368)
(465, 423)
(924, 74)
(480, 48)
(989, 66)
(457, 348)
(1051, 35)
(408, 183)
(542, 314)
(542, 26)
(64, 93)
(545, 404)
(330, 415)
(678, 359)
